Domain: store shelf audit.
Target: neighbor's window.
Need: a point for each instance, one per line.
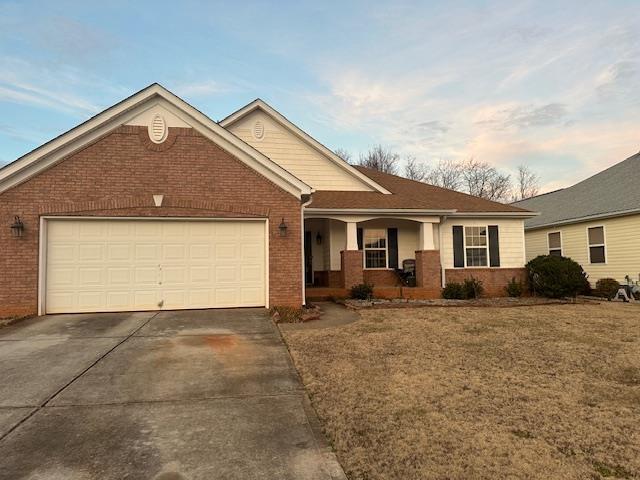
(375, 248)
(555, 244)
(596, 244)
(476, 246)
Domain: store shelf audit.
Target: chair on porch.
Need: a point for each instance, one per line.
(407, 273)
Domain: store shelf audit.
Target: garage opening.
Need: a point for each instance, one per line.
(106, 265)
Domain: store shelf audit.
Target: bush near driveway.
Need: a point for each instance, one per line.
(479, 393)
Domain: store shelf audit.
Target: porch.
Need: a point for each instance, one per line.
(346, 250)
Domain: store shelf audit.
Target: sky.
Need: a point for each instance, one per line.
(549, 84)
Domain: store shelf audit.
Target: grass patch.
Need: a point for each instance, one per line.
(458, 393)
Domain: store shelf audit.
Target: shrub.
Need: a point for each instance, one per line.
(556, 277)
(453, 291)
(362, 291)
(472, 287)
(607, 288)
(282, 314)
(514, 288)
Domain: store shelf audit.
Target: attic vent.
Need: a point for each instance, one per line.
(158, 129)
(258, 130)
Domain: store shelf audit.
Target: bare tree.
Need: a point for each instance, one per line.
(446, 174)
(483, 180)
(343, 154)
(414, 170)
(527, 184)
(380, 158)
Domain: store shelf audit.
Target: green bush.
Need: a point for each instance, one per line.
(607, 288)
(556, 277)
(453, 291)
(362, 291)
(514, 288)
(472, 288)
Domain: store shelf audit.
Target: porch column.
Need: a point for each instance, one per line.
(427, 260)
(351, 259)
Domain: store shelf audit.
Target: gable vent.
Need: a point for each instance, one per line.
(158, 129)
(258, 130)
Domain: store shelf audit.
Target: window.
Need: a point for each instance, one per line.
(555, 244)
(476, 248)
(375, 248)
(596, 245)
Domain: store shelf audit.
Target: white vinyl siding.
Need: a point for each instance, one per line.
(125, 265)
(621, 238)
(295, 155)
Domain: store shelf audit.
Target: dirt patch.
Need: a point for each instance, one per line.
(537, 392)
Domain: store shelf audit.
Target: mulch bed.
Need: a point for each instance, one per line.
(478, 302)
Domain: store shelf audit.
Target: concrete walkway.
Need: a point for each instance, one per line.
(208, 394)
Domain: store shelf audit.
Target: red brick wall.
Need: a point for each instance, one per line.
(428, 272)
(351, 268)
(493, 279)
(117, 176)
(327, 278)
(381, 278)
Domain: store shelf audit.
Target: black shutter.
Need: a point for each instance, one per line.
(458, 246)
(359, 235)
(392, 238)
(494, 246)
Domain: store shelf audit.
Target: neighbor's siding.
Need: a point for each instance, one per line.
(622, 240)
(295, 155)
(510, 235)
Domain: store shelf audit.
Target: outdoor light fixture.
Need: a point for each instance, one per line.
(319, 239)
(283, 228)
(17, 227)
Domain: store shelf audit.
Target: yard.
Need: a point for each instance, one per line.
(462, 393)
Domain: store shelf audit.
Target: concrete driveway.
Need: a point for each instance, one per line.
(206, 394)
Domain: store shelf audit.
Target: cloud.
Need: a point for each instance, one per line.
(200, 89)
(523, 116)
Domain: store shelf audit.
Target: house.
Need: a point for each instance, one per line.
(152, 205)
(596, 222)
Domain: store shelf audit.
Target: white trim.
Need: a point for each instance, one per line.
(42, 250)
(600, 216)
(464, 243)
(549, 247)
(124, 111)
(494, 214)
(281, 119)
(604, 237)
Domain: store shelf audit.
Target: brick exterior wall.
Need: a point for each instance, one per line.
(493, 279)
(381, 278)
(117, 176)
(428, 270)
(327, 278)
(351, 268)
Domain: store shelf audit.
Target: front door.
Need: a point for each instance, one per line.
(308, 259)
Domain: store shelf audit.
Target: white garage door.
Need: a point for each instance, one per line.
(122, 265)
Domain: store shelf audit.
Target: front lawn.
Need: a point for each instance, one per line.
(472, 393)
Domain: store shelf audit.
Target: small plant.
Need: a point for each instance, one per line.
(362, 291)
(607, 288)
(472, 288)
(453, 291)
(556, 277)
(282, 314)
(514, 288)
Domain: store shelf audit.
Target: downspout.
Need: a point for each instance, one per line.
(443, 277)
(304, 280)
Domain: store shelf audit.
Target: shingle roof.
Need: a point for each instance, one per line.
(406, 194)
(612, 191)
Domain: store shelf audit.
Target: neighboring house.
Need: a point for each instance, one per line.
(151, 204)
(595, 222)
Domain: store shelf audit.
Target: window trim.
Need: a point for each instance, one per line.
(604, 237)
(464, 244)
(561, 243)
(386, 249)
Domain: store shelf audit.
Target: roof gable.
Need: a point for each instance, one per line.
(296, 150)
(130, 111)
(611, 192)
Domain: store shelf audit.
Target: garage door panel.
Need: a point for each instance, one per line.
(114, 265)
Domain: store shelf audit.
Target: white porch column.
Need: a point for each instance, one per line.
(425, 238)
(352, 236)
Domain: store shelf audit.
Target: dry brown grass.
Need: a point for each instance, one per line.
(473, 393)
